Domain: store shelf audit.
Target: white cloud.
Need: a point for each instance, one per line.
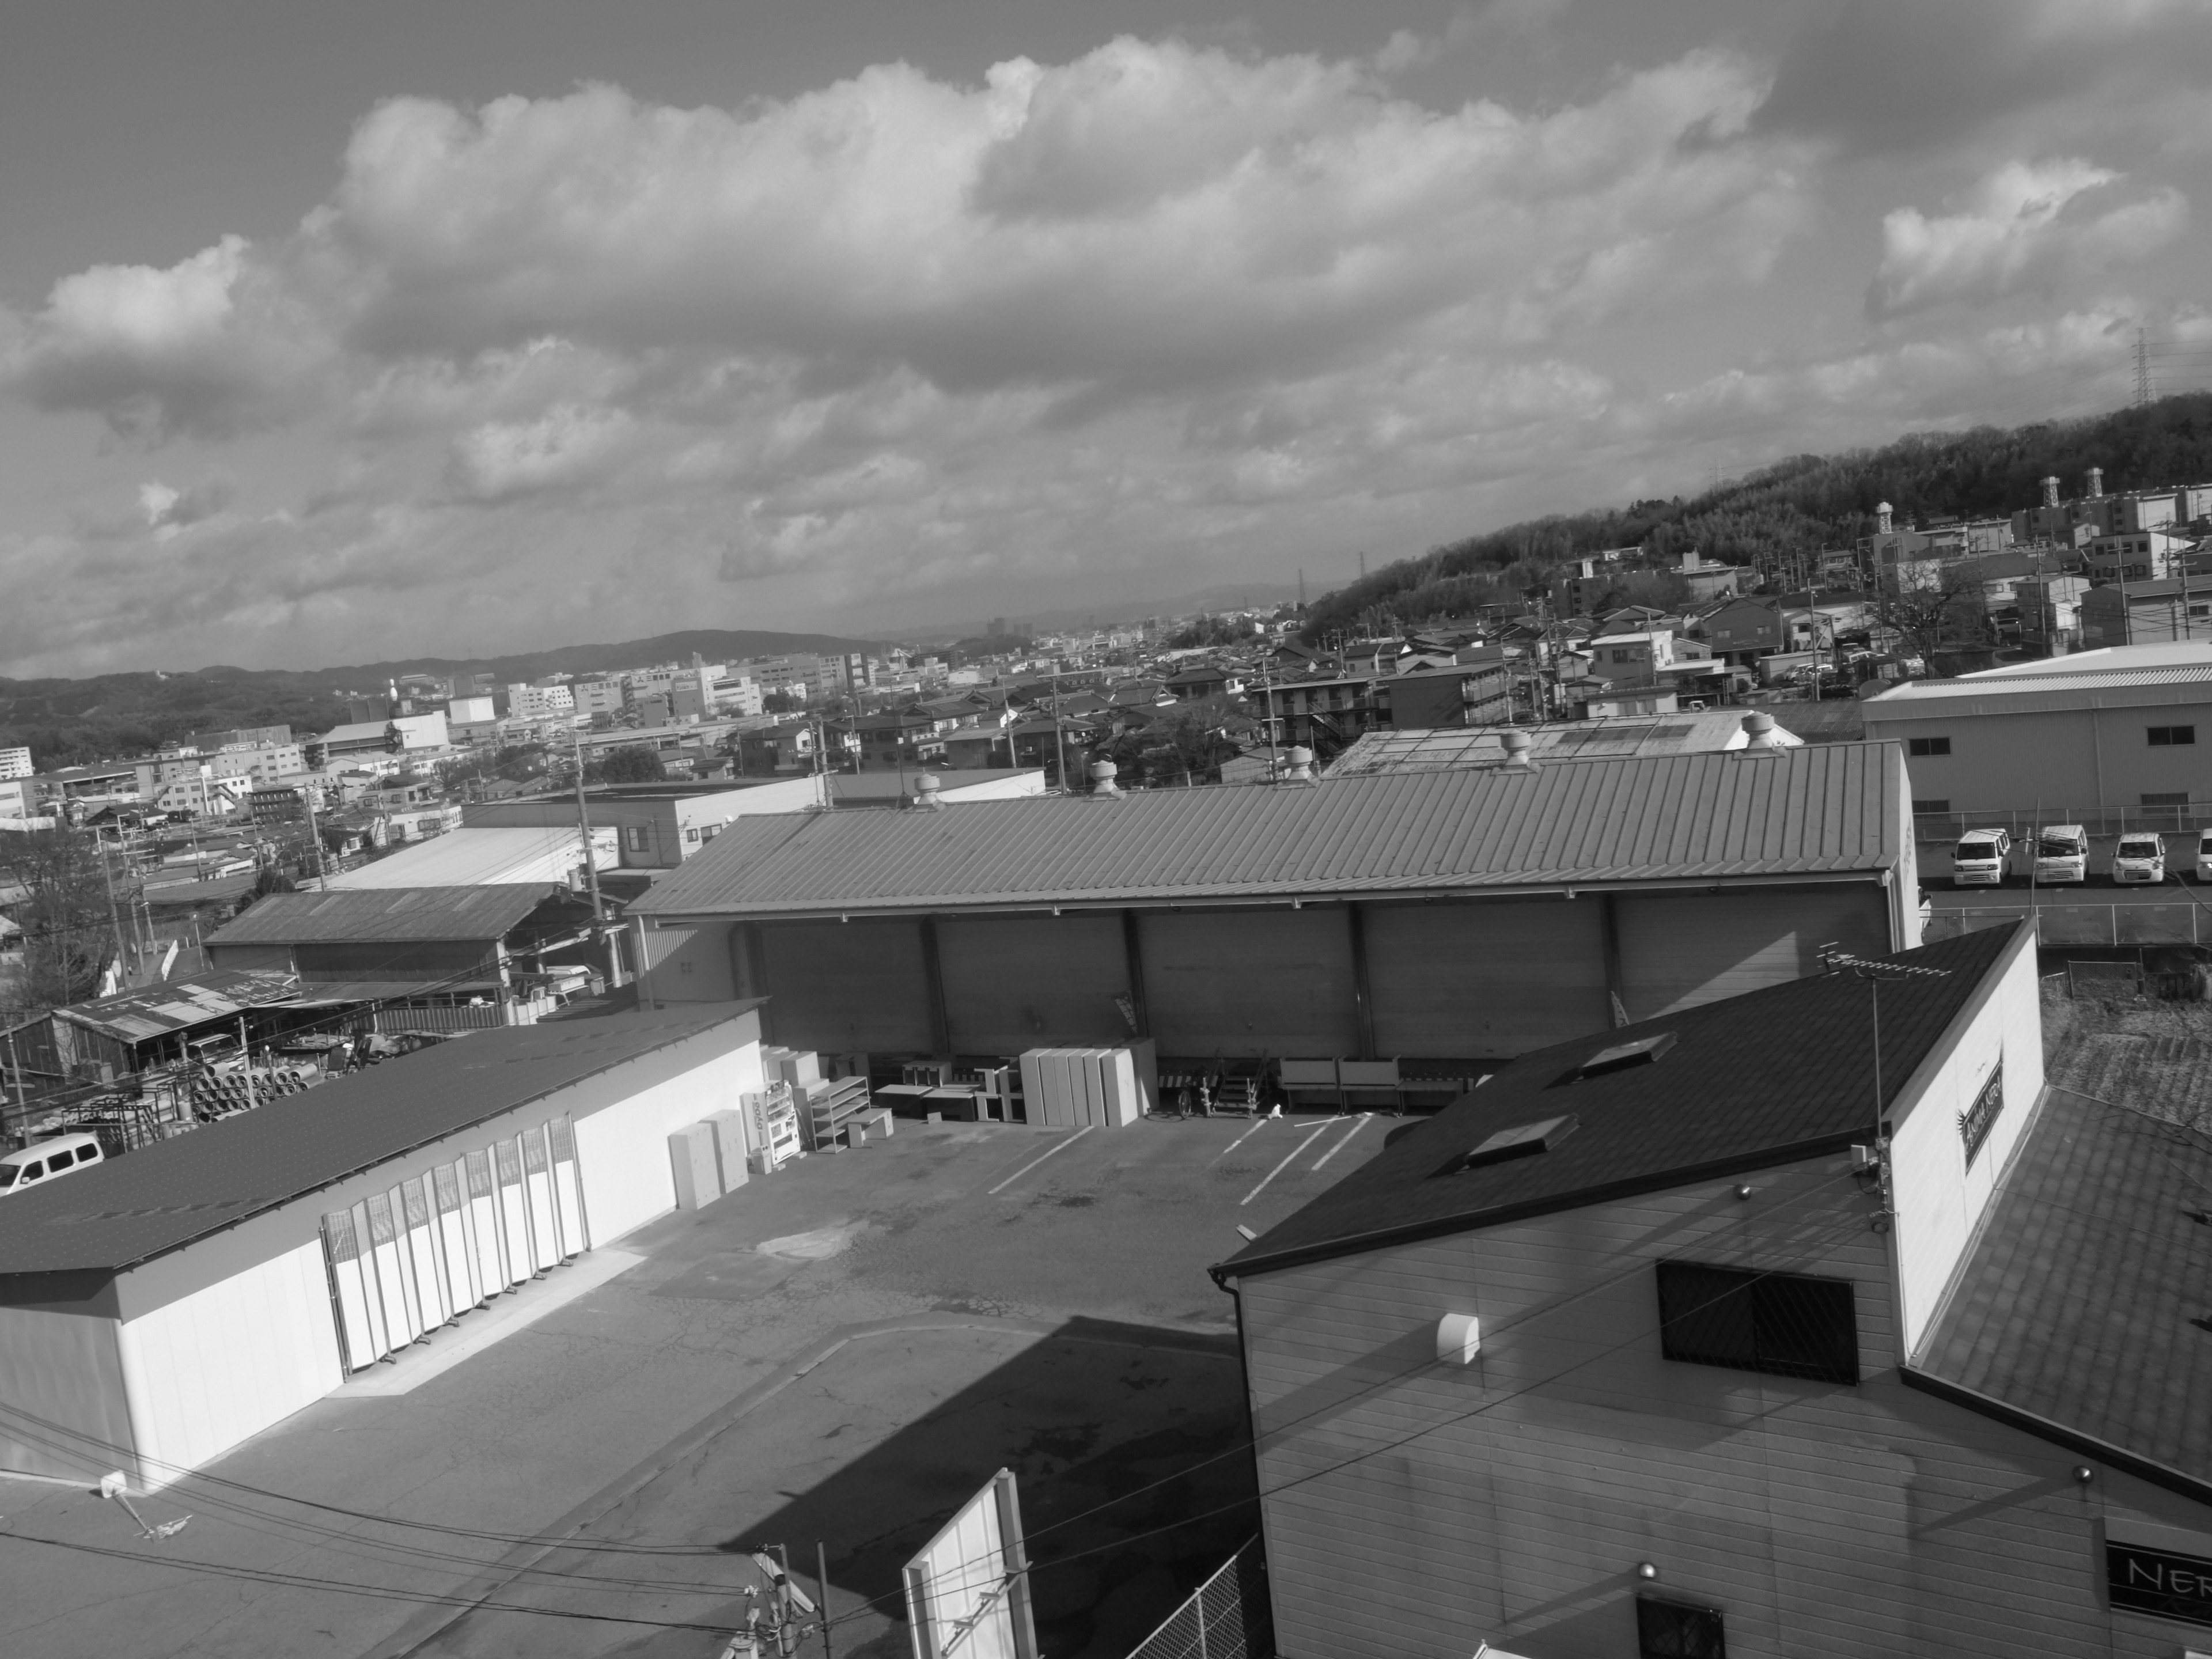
(2026, 225)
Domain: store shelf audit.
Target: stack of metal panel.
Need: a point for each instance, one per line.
(1076, 1088)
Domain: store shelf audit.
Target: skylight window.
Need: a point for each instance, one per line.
(1622, 1055)
(1522, 1140)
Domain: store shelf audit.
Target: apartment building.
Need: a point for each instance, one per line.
(540, 703)
(14, 762)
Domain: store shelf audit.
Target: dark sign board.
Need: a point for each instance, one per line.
(1978, 1118)
(2145, 1579)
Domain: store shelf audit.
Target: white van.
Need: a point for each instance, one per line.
(2062, 852)
(1979, 859)
(2140, 859)
(36, 1165)
(2204, 855)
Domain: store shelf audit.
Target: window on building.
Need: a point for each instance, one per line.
(1669, 1630)
(1785, 1324)
(2200, 610)
(691, 833)
(709, 831)
(2172, 737)
(2179, 798)
(1929, 804)
(637, 837)
(1920, 746)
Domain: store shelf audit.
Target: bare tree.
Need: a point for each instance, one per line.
(1929, 608)
(68, 930)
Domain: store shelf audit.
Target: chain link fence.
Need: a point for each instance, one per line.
(1227, 1617)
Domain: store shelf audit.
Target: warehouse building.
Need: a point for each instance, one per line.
(1468, 914)
(2066, 737)
(157, 1309)
(1635, 1350)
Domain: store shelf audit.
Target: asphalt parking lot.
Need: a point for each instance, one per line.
(839, 1352)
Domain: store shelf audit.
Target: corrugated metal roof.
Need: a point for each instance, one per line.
(1826, 809)
(175, 1191)
(2021, 685)
(1772, 1075)
(1613, 738)
(153, 1011)
(493, 857)
(405, 913)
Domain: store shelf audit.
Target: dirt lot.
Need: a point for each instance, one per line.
(839, 1352)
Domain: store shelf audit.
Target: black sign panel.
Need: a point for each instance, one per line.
(1978, 1118)
(2146, 1580)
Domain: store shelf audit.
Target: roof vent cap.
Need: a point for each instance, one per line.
(1644, 1051)
(1517, 744)
(1522, 1140)
(1298, 765)
(1103, 786)
(1759, 734)
(925, 793)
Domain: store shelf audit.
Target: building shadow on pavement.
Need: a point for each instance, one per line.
(1135, 1476)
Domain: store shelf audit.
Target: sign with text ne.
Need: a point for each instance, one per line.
(2146, 1574)
(1978, 1118)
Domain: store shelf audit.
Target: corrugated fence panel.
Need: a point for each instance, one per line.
(1493, 978)
(1017, 983)
(1263, 982)
(1678, 951)
(839, 987)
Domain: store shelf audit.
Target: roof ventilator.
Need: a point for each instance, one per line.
(1516, 743)
(1298, 766)
(1759, 734)
(1622, 1055)
(925, 793)
(1522, 1140)
(1102, 786)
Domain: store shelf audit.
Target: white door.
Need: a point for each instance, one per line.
(482, 1218)
(457, 1252)
(537, 1187)
(514, 1211)
(568, 1189)
(357, 1341)
(401, 1324)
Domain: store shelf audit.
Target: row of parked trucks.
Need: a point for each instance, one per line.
(2061, 855)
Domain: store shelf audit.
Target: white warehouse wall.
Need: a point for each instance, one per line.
(61, 1366)
(621, 1150)
(207, 1371)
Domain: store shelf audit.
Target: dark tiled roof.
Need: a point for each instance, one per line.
(2074, 1306)
(1834, 809)
(385, 913)
(169, 1193)
(1774, 1074)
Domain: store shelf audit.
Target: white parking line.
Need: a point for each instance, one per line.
(1346, 1141)
(1062, 1148)
(1239, 1141)
(1320, 1130)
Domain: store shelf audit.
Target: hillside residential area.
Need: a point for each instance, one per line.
(1592, 1127)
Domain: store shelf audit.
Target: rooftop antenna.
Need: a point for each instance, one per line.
(1837, 960)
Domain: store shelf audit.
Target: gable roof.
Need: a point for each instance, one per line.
(385, 913)
(1833, 809)
(172, 1192)
(1710, 1105)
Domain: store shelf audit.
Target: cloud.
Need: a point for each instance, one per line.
(566, 448)
(167, 510)
(2026, 225)
(1885, 76)
(212, 345)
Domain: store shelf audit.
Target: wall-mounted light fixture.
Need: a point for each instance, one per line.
(1459, 1339)
(1647, 1571)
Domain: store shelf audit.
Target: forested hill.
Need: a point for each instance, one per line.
(67, 722)
(1800, 505)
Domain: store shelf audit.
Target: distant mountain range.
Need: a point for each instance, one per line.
(67, 721)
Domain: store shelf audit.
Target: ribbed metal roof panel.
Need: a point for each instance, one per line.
(173, 1192)
(1820, 810)
(385, 913)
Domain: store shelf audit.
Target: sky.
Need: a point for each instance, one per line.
(329, 335)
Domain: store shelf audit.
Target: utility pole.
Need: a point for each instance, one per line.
(2142, 368)
(315, 835)
(1058, 734)
(108, 879)
(599, 934)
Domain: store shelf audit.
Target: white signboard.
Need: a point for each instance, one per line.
(968, 1592)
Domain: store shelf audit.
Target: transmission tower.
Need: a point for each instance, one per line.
(2142, 368)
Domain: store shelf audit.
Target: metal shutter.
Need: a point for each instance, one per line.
(1249, 983)
(844, 988)
(1680, 949)
(1487, 979)
(1017, 983)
